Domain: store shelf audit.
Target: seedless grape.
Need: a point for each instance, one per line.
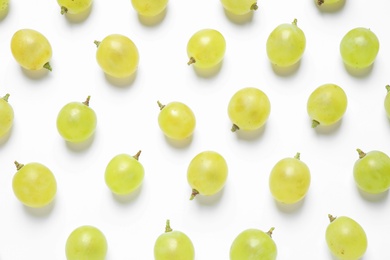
(239, 7)
(74, 6)
(6, 116)
(327, 2)
(149, 7)
(4, 7)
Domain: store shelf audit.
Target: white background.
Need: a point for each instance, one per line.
(127, 122)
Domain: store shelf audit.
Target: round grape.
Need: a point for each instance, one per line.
(74, 6)
(4, 7)
(240, 7)
(326, 3)
(387, 101)
(6, 116)
(149, 7)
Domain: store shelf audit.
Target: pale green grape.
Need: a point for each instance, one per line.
(346, 239)
(149, 7)
(239, 7)
(327, 2)
(289, 180)
(34, 184)
(76, 121)
(207, 173)
(86, 243)
(117, 56)
(31, 49)
(124, 174)
(326, 105)
(286, 44)
(4, 7)
(206, 48)
(253, 244)
(249, 109)
(6, 116)
(387, 101)
(172, 245)
(359, 48)
(74, 6)
(176, 120)
(372, 171)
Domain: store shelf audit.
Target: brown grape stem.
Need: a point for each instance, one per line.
(331, 218)
(320, 2)
(86, 102)
(47, 66)
(254, 7)
(64, 10)
(6, 97)
(298, 156)
(168, 226)
(270, 231)
(234, 128)
(97, 43)
(160, 105)
(191, 61)
(361, 153)
(18, 165)
(193, 194)
(136, 156)
(388, 88)
(314, 124)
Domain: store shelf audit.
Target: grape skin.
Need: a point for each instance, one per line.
(6, 116)
(4, 7)
(74, 6)
(149, 7)
(239, 7)
(387, 101)
(327, 2)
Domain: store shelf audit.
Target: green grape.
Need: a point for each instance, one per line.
(286, 44)
(124, 174)
(6, 116)
(289, 180)
(249, 109)
(346, 239)
(74, 6)
(253, 244)
(31, 49)
(372, 171)
(149, 7)
(207, 173)
(76, 121)
(117, 55)
(387, 101)
(176, 120)
(327, 2)
(239, 7)
(172, 245)
(4, 7)
(34, 184)
(206, 48)
(359, 48)
(326, 105)
(86, 242)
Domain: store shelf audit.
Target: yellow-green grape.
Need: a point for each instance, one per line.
(34, 184)
(76, 121)
(326, 105)
(4, 7)
(346, 239)
(359, 48)
(86, 243)
(253, 244)
(207, 173)
(327, 2)
(249, 109)
(176, 120)
(74, 6)
(286, 44)
(124, 174)
(206, 48)
(117, 56)
(172, 245)
(289, 180)
(31, 49)
(372, 171)
(149, 7)
(239, 7)
(6, 116)
(387, 101)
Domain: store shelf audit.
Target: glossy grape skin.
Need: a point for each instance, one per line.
(206, 48)
(31, 49)
(345, 238)
(286, 45)
(74, 6)
(117, 56)
(176, 120)
(6, 116)
(207, 173)
(326, 105)
(289, 180)
(86, 242)
(149, 7)
(387, 101)
(253, 244)
(327, 2)
(359, 48)
(372, 171)
(34, 184)
(76, 121)
(124, 174)
(249, 109)
(239, 7)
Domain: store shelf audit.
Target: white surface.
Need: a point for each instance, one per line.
(127, 122)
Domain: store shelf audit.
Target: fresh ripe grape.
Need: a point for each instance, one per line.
(239, 7)
(249, 109)
(124, 174)
(76, 121)
(326, 105)
(176, 120)
(74, 6)
(4, 7)
(34, 184)
(286, 44)
(173, 244)
(6, 116)
(253, 244)
(149, 7)
(289, 180)
(31, 49)
(327, 2)
(372, 171)
(206, 48)
(346, 239)
(86, 242)
(117, 55)
(359, 48)
(387, 101)
(207, 173)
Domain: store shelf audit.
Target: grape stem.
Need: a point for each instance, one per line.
(86, 102)
(331, 218)
(361, 153)
(168, 226)
(270, 231)
(18, 165)
(298, 156)
(235, 128)
(320, 2)
(254, 7)
(160, 105)
(314, 124)
(64, 10)
(47, 66)
(6, 97)
(193, 194)
(191, 61)
(295, 22)
(136, 156)
(388, 88)
(97, 43)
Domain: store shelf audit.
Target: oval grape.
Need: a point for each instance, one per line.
(6, 116)
(149, 7)
(240, 7)
(74, 6)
